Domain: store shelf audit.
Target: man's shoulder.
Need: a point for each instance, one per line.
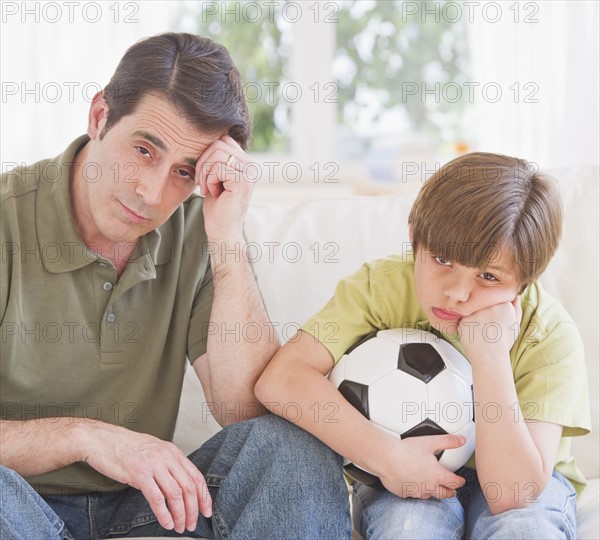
(21, 180)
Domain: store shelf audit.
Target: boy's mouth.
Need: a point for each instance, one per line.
(446, 314)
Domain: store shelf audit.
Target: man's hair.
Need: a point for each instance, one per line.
(478, 203)
(193, 73)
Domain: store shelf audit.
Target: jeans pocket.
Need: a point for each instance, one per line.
(126, 527)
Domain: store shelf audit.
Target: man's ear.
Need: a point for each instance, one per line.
(97, 116)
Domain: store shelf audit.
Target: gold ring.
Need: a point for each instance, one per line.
(229, 160)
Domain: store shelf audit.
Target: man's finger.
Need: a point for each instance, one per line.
(173, 493)
(204, 498)
(157, 502)
(190, 494)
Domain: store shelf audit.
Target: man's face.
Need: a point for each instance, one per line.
(139, 173)
(448, 291)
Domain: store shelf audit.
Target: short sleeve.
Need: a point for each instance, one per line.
(361, 305)
(550, 377)
(200, 318)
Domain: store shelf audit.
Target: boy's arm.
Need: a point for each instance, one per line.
(408, 468)
(515, 459)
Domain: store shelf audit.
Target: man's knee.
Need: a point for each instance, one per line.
(13, 487)
(285, 436)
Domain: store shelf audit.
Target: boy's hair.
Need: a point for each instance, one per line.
(478, 203)
(193, 73)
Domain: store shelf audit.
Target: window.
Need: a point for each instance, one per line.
(331, 82)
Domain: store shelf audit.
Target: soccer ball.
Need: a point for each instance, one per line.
(409, 383)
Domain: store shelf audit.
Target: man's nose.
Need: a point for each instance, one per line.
(151, 187)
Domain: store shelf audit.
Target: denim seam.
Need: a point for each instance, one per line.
(220, 525)
(144, 519)
(565, 514)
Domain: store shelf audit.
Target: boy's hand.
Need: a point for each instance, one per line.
(412, 470)
(492, 331)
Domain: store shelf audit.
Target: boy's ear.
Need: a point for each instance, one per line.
(97, 116)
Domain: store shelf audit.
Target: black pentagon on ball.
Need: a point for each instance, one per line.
(426, 427)
(421, 360)
(357, 395)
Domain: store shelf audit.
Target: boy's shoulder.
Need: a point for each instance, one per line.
(401, 264)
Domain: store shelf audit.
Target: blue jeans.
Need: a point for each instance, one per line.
(267, 478)
(379, 514)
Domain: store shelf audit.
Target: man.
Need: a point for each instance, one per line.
(113, 271)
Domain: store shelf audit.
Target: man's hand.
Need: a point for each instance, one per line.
(226, 178)
(412, 470)
(171, 483)
(492, 331)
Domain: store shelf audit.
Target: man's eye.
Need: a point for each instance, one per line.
(143, 151)
(441, 260)
(185, 174)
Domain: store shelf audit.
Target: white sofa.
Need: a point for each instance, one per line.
(300, 254)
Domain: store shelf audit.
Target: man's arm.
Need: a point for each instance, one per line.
(232, 365)
(171, 483)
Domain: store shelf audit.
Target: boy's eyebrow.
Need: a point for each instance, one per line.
(160, 144)
(500, 269)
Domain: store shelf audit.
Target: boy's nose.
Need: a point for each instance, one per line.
(458, 290)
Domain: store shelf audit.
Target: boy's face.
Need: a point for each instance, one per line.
(448, 291)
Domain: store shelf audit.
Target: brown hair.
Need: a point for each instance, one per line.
(478, 203)
(194, 73)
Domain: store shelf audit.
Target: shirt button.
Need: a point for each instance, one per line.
(111, 318)
(102, 265)
(107, 286)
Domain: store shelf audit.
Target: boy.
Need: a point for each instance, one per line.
(483, 228)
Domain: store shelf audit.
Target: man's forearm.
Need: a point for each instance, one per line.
(37, 446)
(244, 340)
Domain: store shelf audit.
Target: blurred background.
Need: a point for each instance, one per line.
(346, 96)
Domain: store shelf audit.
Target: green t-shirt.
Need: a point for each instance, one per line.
(547, 358)
(76, 341)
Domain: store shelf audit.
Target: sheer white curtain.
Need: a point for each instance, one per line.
(53, 60)
(547, 71)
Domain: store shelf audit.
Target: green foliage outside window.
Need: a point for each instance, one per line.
(260, 50)
(384, 61)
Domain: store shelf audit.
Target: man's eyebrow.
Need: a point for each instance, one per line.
(160, 144)
(152, 138)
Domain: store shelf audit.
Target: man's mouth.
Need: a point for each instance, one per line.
(446, 314)
(132, 215)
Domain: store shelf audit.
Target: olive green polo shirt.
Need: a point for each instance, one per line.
(77, 342)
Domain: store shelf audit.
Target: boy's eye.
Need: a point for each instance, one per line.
(441, 260)
(489, 277)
